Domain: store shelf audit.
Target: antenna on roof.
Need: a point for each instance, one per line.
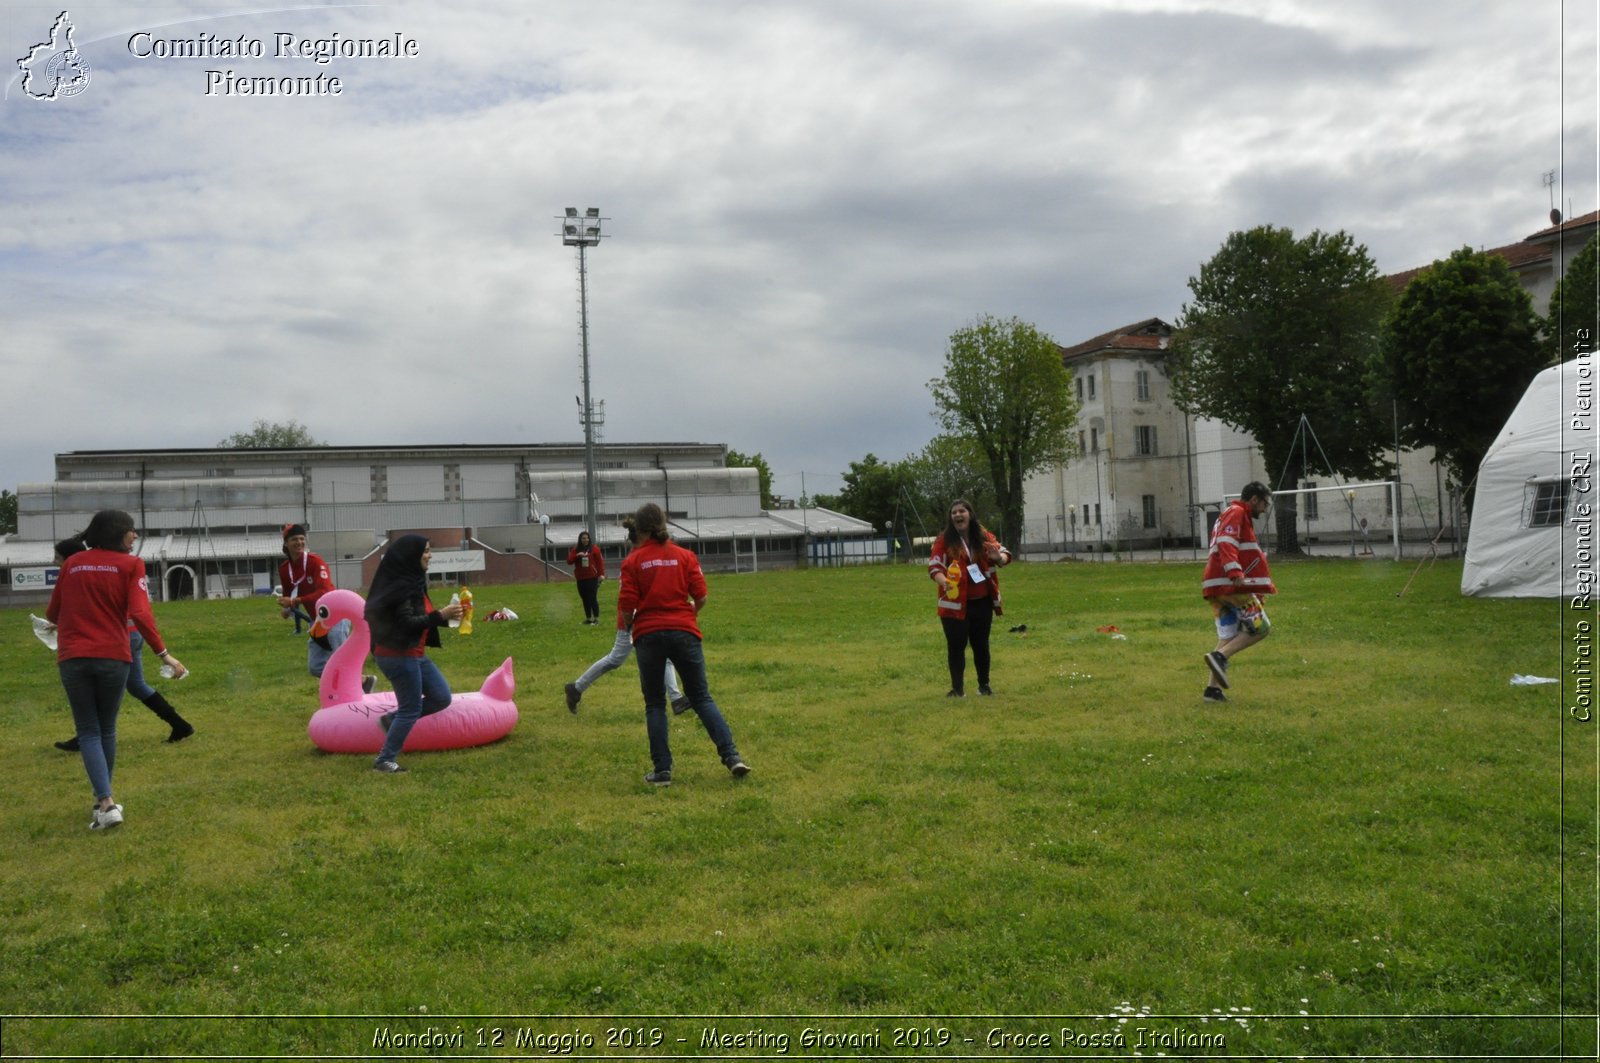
(1550, 186)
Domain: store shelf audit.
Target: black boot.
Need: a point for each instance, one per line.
(159, 705)
(69, 746)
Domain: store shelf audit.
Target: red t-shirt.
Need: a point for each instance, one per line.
(308, 580)
(660, 584)
(98, 593)
(586, 563)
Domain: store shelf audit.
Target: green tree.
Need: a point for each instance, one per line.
(265, 435)
(1279, 328)
(1458, 350)
(870, 493)
(8, 513)
(1005, 389)
(736, 460)
(1575, 304)
(948, 468)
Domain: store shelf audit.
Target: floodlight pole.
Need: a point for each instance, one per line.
(584, 233)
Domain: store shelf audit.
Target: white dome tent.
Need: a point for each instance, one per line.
(1532, 529)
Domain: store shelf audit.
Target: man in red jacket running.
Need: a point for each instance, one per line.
(1235, 578)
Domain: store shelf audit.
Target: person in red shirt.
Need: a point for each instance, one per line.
(621, 650)
(663, 591)
(588, 569)
(136, 686)
(303, 578)
(98, 592)
(964, 563)
(1234, 579)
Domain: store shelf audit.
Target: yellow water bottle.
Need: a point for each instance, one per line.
(952, 587)
(466, 610)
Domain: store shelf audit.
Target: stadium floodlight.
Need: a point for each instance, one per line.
(583, 232)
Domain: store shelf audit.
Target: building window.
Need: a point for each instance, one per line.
(1145, 439)
(1149, 503)
(1086, 514)
(1094, 440)
(1083, 442)
(1142, 381)
(1079, 383)
(1547, 505)
(1311, 500)
(1097, 513)
(1091, 387)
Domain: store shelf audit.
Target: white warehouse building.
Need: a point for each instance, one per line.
(211, 520)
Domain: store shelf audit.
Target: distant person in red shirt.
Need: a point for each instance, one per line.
(98, 591)
(965, 562)
(588, 568)
(663, 590)
(303, 577)
(1235, 578)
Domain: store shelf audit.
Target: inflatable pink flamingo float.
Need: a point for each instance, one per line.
(348, 719)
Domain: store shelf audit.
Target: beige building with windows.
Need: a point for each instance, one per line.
(1148, 476)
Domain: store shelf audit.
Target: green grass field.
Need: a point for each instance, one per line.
(1378, 847)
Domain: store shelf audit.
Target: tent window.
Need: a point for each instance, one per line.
(1547, 504)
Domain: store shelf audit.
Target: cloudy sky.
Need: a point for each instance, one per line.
(803, 200)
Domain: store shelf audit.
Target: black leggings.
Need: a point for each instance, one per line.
(975, 630)
(589, 591)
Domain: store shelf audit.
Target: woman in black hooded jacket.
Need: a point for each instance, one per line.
(404, 623)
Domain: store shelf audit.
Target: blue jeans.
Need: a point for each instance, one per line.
(317, 658)
(419, 690)
(620, 649)
(94, 687)
(683, 650)
(136, 684)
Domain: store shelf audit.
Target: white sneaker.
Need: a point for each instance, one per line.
(104, 819)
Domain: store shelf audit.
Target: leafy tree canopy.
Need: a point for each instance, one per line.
(870, 493)
(948, 468)
(8, 513)
(265, 435)
(1575, 304)
(1280, 327)
(1458, 351)
(736, 460)
(1005, 389)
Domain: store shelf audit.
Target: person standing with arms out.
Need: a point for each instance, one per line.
(588, 568)
(1235, 578)
(404, 623)
(302, 579)
(965, 563)
(620, 651)
(98, 591)
(663, 591)
(137, 686)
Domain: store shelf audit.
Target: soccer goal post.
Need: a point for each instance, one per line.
(1354, 509)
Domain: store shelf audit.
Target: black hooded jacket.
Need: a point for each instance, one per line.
(398, 610)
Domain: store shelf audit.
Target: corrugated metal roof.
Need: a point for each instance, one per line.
(820, 521)
(197, 547)
(769, 524)
(566, 534)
